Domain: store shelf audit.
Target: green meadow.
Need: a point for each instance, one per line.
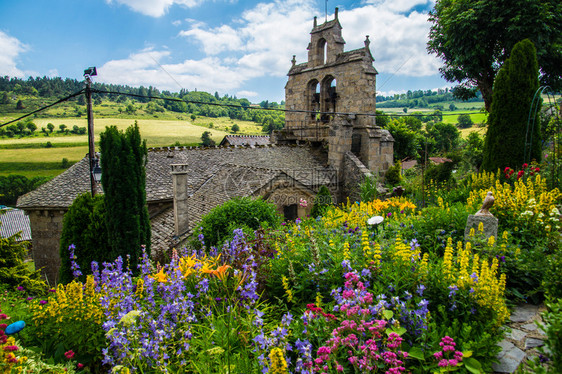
(33, 156)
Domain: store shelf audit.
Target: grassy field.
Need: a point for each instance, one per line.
(33, 152)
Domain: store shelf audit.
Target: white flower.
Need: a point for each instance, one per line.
(375, 220)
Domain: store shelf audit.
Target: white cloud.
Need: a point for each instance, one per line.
(146, 68)
(262, 40)
(398, 41)
(245, 93)
(154, 8)
(11, 48)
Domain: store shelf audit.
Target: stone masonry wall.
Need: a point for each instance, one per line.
(46, 226)
(354, 174)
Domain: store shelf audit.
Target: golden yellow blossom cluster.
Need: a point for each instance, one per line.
(278, 362)
(191, 265)
(527, 204)
(357, 214)
(468, 272)
(70, 304)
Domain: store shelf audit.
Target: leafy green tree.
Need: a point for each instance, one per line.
(123, 163)
(452, 107)
(5, 98)
(31, 126)
(62, 127)
(464, 121)
(445, 135)
(474, 38)
(406, 140)
(206, 139)
(19, 105)
(13, 186)
(83, 226)
(235, 128)
(472, 153)
(50, 126)
(514, 89)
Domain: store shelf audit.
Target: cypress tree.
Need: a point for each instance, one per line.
(514, 88)
(123, 162)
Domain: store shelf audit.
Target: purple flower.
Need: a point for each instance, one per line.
(43, 302)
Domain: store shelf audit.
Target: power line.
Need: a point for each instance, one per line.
(276, 109)
(232, 106)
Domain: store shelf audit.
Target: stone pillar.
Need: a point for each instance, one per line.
(46, 229)
(181, 198)
(340, 141)
(490, 226)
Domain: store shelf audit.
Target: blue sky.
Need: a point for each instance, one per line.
(235, 47)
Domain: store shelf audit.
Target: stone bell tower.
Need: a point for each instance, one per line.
(333, 96)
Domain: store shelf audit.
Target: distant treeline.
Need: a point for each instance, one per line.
(13, 89)
(420, 99)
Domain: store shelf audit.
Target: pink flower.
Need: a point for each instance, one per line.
(69, 354)
(11, 348)
(438, 355)
(453, 362)
(79, 366)
(443, 363)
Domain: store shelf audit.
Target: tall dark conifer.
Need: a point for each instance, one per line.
(123, 161)
(514, 89)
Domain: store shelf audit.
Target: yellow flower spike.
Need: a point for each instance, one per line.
(471, 232)
(318, 300)
(481, 227)
(287, 288)
(346, 251)
(278, 362)
(491, 241)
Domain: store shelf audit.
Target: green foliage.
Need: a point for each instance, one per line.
(368, 188)
(13, 271)
(206, 139)
(13, 186)
(83, 226)
(446, 137)
(474, 37)
(123, 162)
(514, 89)
(406, 141)
(552, 280)
(322, 202)
(553, 324)
(473, 150)
(218, 225)
(464, 121)
(235, 128)
(393, 175)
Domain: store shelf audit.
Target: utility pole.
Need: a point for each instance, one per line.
(88, 73)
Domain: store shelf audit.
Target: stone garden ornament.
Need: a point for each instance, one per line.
(486, 205)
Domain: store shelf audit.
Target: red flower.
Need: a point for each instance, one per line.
(525, 165)
(506, 169)
(11, 348)
(69, 355)
(520, 174)
(3, 326)
(537, 169)
(79, 366)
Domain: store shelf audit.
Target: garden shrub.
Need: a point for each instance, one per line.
(368, 188)
(322, 202)
(83, 227)
(217, 225)
(14, 272)
(393, 175)
(70, 318)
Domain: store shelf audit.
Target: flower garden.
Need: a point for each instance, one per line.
(368, 287)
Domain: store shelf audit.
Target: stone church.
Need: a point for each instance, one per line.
(330, 138)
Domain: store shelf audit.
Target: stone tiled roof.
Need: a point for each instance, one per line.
(244, 140)
(13, 221)
(204, 162)
(163, 232)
